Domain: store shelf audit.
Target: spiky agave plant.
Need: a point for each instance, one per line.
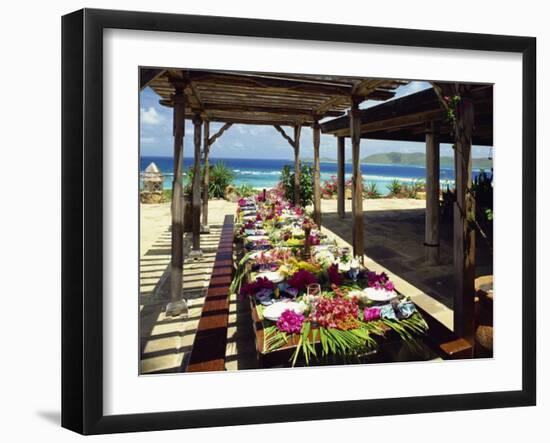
(394, 187)
(371, 190)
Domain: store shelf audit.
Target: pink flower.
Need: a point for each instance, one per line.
(370, 314)
(300, 279)
(290, 322)
(314, 240)
(299, 211)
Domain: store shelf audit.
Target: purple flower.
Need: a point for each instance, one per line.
(290, 322)
(379, 281)
(370, 314)
(256, 286)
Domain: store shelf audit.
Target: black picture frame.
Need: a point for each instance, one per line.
(82, 217)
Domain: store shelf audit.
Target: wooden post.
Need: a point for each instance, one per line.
(196, 251)
(177, 304)
(431, 243)
(205, 177)
(341, 177)
(297, 174)
(316, 174)
(464, 233)
(357, 181)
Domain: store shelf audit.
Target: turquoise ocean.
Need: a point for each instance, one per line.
(265, 173)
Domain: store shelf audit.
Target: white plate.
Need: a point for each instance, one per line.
(257, 237)
(379, 294)
(273, 276)
(274, 311)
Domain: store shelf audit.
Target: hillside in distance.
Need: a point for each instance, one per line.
(419, 159)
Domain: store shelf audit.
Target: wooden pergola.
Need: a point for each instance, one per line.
(277, 100)
(423, 116)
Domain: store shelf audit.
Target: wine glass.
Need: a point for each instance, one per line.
(313, 293)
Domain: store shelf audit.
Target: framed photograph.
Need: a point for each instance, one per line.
(269, 221)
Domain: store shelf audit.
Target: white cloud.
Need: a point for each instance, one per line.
(151, 116)
(148, 140)
(253, 130)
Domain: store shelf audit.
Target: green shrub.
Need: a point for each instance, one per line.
(306, 184)
(220, 178)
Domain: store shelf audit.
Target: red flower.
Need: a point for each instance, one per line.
(338, 312)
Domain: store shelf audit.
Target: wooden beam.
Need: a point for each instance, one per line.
(431, 242)
(271, 82)
(218, 134)
(148, 75)
(366, 86)
(464, 233)
(206, 176)
(196, 252)
(330, 103)
(316, 175)
(397, 122)
(285, 136)
(341, 177)
(284, 109)
(297, 169)
(357, 181)
(177, 305)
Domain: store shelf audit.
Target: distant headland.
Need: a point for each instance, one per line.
(409, 158)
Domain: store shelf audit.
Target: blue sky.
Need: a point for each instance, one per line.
(244, 141)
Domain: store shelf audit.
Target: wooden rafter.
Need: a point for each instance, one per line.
(285, 136)
(194, 97)
(273, 99)
(218, 134)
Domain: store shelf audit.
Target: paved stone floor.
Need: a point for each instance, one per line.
(166, 342)
(394, 239)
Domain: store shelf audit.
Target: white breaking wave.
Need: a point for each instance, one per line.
(246, 172)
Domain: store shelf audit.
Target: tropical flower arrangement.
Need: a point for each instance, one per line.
(340, 317)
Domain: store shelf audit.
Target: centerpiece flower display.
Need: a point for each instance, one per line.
(285, 254)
